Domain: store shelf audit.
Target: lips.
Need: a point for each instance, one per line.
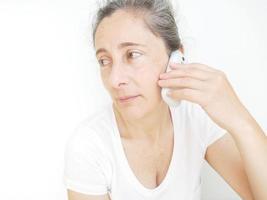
(127, 97)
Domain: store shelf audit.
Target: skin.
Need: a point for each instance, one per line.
(133, 70)
(240, 156)
(137, 69)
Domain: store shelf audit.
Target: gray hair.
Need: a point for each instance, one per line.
(158, 16)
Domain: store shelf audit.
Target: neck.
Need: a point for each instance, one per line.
(153, 125)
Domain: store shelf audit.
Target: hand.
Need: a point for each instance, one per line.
(209, 88)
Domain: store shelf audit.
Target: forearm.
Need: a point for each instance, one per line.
(252, 144)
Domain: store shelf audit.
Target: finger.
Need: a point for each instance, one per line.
(190, 72)
(193, 65)
(184, 82)
(188, 94)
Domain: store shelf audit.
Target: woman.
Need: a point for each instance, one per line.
(139, 147)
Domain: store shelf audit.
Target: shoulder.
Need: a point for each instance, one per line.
(88, 167)
(195, 120)
(92, 133)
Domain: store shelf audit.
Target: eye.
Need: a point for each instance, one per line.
(134, 54)
(103, 62)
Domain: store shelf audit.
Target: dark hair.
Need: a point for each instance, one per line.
(158, 16)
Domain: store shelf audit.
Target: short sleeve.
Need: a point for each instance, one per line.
(208, 130)
(85, 170)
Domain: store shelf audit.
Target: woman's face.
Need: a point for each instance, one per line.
(131, 59)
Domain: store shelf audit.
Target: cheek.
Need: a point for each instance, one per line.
(148, 79)
(104, 80)
(150, 74)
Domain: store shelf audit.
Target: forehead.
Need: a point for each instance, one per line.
(122, 26)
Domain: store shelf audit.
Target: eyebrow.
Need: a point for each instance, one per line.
(120, 46)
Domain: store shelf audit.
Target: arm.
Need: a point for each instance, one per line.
(211, 89)
(252, 145)
(79, 196)
(224, 157)
(241, 159)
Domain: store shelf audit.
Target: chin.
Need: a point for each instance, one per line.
(132, 111)
(137, 108)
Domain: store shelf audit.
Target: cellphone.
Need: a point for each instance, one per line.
(176, 57)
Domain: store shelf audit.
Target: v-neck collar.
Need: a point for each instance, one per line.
(138, 185)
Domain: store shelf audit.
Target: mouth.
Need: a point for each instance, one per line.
(126, 99)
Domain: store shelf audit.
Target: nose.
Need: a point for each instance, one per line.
(118, 76)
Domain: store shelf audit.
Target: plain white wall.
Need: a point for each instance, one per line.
(49, 81)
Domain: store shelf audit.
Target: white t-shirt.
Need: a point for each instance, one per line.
(95, 162)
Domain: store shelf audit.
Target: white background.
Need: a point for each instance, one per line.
(49, 81)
